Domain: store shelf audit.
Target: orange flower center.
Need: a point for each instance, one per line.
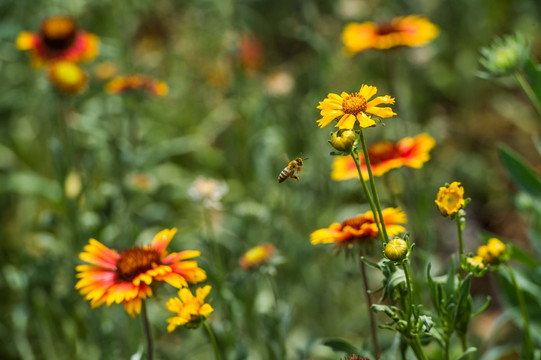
(355, 222)
(386, 29)
(58, 33)
(135, 261)
(354, 104)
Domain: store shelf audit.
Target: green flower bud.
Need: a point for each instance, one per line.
(343, 140)
(396, 249)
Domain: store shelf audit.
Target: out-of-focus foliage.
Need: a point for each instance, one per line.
(244, 81)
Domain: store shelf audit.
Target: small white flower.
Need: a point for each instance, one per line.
(208, 192)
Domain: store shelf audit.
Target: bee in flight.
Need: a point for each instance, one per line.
(289, 171)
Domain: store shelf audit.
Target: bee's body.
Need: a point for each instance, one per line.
(289, 171)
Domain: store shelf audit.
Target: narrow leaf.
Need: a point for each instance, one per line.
(522, 174)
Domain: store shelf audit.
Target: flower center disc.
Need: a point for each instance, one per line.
(354, 104)
(355, 222)
(136, 261)
(58, 33)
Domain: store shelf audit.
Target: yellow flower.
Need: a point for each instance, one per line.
(359, 229)
(343, 140)
(450, 199)
(68, 77)
(492, 252)
(257, 255)
(126, 277)
(190, 310)
(136, 82)
(475, 262)
(355, 106)
(396, 249)
(385, 156)
(401, 31)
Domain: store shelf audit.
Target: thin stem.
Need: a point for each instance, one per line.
(417, 348)
(373, 324)
(214, 243)
(410, 293)
(150, 346)
(212, 340)
(460, 242)
(373, 187)
(527, 88)
(368, 196)
(528, 344)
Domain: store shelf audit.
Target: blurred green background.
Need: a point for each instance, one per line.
(245, 78)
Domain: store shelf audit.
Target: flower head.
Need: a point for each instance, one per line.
(476, 265)
(343, 140)
(396, 249)
(401, 31)
(68, 77)
(132, 83)
(58, 39)
(257, 256)
(208, 192)
(126, 277)
(493, 252)
(354, 106)
(385, 156)
(505, 56)
(359, 229)
(450, 199)
(190, 310)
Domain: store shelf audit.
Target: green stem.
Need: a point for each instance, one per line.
(214, 243)
(150, 346)
(212, 340)
(368, 196)
(447, 345)
(417, 348)
(373, 187)
(528, 344)
(527, 88)
(460, 242)
(410, 294)
(373, 324)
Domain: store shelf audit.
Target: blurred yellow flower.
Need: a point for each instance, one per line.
(410, 30)
(492, 252)
(126, 277)
(475, 262)
(58, 39)
(257, 255)
(190, 310)
(68, 77)
(450, 199)
(385, 156)
(136, 82)
(359, 229)
(355, 106)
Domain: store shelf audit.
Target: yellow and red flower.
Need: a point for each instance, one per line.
(385, 156)
(58, 39)
(190, 310)
(68, 77)
(137, 82)
(410, 30)
(360, 229)
(355, 106)
(450, 199)
(257, 255)
(126, 277)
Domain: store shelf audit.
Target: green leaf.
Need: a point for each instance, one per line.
(387, 310)
(468, 351)
(533, 74)
(482, 308)
(339, 344)
(522, 256)
(524, 177)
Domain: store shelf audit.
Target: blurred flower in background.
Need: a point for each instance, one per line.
(385, 156)
(105, 70)
(137, 82)
(355, 106)
(59, 39)
(505, 56)
(359, 229)
(279, 83)
(251, 54)
(68, 77)
(410, 30)
(190, 310)
(125, 277)
(208, 192)
(256, 256)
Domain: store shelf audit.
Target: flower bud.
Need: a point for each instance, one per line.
(493, 252)
(450, 199)
(343, 140)
(396, 249)
(505, 56)
(475, 264)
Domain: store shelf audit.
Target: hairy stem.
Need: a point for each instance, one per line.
(373, 324)
(150, 345)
